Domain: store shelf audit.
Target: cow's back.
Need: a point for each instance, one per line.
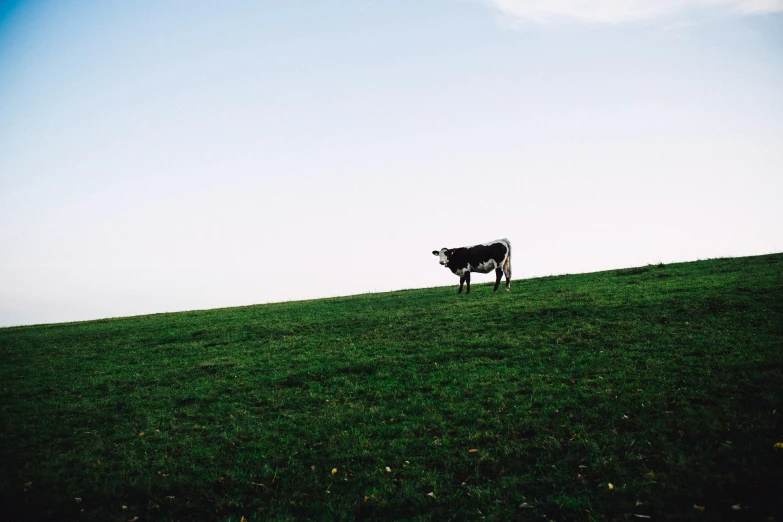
(488, 256)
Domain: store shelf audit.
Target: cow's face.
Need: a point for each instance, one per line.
(443, 254)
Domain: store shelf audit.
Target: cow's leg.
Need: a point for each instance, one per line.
(507, 270)
(467, 280)
(462, 282)
(498, 275)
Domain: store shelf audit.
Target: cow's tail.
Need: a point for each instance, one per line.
(507, 265)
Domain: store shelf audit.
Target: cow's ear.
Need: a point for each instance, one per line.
(435, 253)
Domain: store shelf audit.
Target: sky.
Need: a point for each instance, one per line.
(182, 155)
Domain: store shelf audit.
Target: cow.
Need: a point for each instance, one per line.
(495, 255)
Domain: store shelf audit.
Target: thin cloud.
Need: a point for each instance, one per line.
(621, 11)
(368, 4)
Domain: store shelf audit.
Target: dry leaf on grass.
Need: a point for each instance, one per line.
(698, 507)
(334, 470)
(472, 451)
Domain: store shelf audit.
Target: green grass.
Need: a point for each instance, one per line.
(664, 381)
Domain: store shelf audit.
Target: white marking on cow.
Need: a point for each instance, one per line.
(486, 267)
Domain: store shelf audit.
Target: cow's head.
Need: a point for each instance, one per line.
(443, 254)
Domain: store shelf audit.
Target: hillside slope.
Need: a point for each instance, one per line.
(652, 391)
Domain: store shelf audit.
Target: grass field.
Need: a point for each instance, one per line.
(645, 392)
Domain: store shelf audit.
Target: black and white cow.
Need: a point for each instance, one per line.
(480, 258)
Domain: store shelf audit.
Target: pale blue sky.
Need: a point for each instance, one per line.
(166, 156)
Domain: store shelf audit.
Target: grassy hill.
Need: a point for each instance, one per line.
(646, 392)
